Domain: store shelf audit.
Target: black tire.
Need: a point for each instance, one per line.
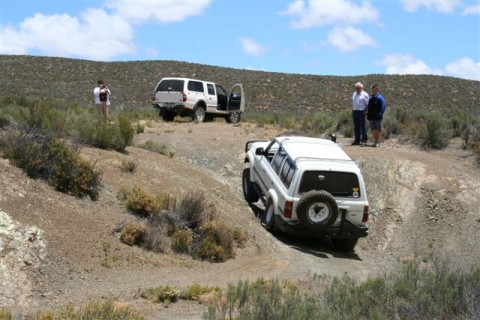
(345, 245)
(167, 116)
(268, 218)
(233, 117)
(248, 187)
(317, 209)
(198, 114)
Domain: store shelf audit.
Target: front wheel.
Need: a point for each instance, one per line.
(233, 117)
(198, 114)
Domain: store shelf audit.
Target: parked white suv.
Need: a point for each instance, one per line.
(202, 100)
(310, 187)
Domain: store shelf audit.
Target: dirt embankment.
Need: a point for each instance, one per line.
(422, 204)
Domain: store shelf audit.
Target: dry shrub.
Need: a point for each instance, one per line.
(141, 202)
(133, 234)
(216, 243)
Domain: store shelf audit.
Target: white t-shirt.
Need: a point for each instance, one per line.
(96, 92)
(360, 100)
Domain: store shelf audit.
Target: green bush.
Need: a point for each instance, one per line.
(433, 134)
(216, 243)
(182, 240)
(44, 157)
(264, 299)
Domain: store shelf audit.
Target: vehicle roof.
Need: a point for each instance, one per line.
(184, 79)
(305, 148)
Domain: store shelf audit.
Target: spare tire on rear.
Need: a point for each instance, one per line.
(317, 209)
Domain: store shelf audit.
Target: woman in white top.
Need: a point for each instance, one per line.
(102, 99)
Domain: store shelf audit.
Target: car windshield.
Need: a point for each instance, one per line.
(170, 85)
(339, 184)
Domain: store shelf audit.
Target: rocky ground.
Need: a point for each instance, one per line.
(57, 250)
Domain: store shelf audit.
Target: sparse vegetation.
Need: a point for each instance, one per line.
(42, 156)
(442, 292)
(189, 225)
(108, 310)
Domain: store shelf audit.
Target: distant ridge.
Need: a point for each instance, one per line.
(132, 84)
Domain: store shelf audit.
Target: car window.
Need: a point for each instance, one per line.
(195, 86)
(220, 90)
(211, 89)
(170, 85)
(286, 174)
(339, 184)
(278, 159)
(272, 150)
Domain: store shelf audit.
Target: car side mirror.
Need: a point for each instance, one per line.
(259, 152)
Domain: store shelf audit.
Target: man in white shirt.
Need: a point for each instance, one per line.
(359, 108)
(102, 99)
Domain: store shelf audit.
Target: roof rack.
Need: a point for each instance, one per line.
(325, 159)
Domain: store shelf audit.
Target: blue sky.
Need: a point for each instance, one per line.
(321, 37)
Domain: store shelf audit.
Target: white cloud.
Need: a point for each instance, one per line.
(464, 68)
(251, 47)
(350, 39)
(406, 64)
(158, 11)
(312, 13)
(95, 35)
(472, 10)
(444, 6)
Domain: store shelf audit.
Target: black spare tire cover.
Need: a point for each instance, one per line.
(317, 209)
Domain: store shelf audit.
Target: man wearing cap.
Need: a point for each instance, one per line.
(359, 105)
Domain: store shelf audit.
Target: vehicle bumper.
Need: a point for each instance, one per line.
(346, 229)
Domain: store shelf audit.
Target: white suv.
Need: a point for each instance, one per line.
(310, 187)
(201, 100)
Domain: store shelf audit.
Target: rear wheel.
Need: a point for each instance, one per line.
(233, 117)
(248, 188)
(167, 116)
(317, 209)
(345, 245)
(268, 217)
(198, 114)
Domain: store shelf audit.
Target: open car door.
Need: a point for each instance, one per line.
(236, 101)
(236, 104)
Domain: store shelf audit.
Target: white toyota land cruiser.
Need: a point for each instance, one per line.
(201, 100)
(309, 186)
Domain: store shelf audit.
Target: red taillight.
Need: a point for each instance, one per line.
(365, 214)
(287, 212)
(184, 97)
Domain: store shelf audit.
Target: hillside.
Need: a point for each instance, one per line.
(423, 206)
(132, 84)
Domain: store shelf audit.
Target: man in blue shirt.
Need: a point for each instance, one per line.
(376, 109)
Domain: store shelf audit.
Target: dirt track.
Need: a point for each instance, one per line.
(421, 204)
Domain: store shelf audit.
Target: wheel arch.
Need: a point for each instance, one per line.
(272, 198)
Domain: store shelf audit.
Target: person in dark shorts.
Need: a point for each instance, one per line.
(375, 111)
